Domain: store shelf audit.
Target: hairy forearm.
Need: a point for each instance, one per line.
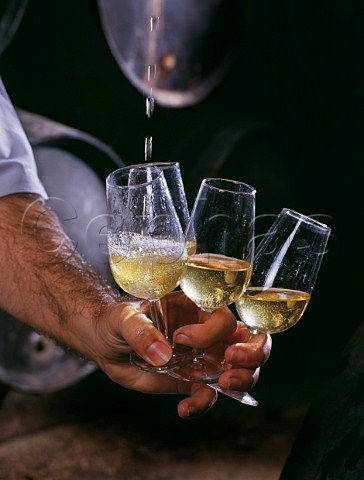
(44, 282)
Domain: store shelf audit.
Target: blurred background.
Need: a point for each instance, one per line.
(276, 100)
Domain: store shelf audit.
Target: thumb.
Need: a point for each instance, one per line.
(141, 335)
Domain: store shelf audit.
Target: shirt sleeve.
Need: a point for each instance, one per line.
(18, 170)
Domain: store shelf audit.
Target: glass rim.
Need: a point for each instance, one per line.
(112, 174)
(161, 165)
(305, 218)
(250, 190)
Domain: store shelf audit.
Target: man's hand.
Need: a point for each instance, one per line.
(127, 327)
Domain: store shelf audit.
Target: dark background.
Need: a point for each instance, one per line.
(299, 76)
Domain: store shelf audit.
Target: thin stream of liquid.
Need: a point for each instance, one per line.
(148, 148)
(149, 104)
(154, 23)
(151, 75)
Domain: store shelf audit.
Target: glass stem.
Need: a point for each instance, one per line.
(251, 336)
(199, 355)
(158, 318)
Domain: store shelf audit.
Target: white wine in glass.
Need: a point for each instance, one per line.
(147, 250)
(220, 246)
(214, 280)
(286, 266)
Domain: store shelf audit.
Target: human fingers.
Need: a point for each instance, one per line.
(242, 379)
(128, 324)
(243, 360)
(201, 399)
(247, 350)
(212, 328)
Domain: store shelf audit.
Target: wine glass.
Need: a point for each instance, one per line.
(220, 246)
(146, 244)
(286, 266)
(173, 177)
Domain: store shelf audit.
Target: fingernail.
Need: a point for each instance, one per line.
(159, 353)
(234, 383)
(182, 339)
(191, 412)
(236, 356)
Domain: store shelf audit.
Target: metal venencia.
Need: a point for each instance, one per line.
(181, 49)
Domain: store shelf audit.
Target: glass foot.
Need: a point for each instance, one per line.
(199, 370)
(182, 355)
